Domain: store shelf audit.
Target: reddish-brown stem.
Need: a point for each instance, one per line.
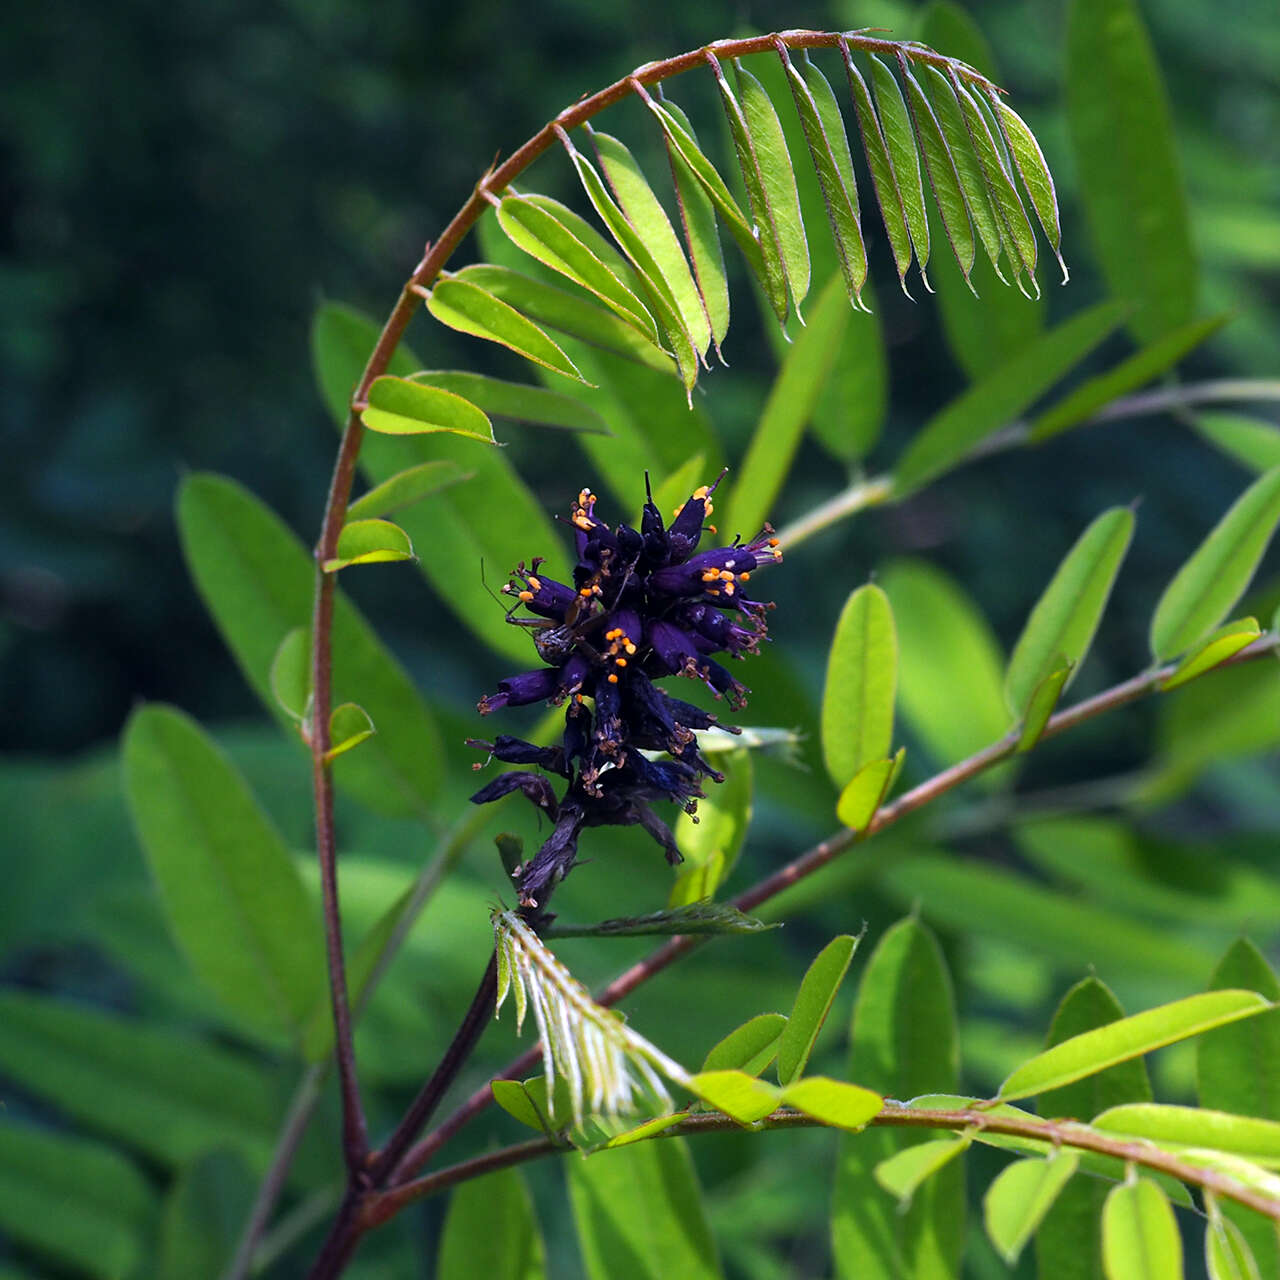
(805, 865)
(1059, 1133)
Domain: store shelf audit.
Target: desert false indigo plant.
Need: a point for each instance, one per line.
(626, 309)
(644, 604)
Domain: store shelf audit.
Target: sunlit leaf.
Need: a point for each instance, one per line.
(867, 789)
(1089, 397)
(464, 306)
(1227, 1252)
(1213, 651)
(571, 314)
(778, 184)
(750, 1047)
(1041, 706)
(552, 233)
(234, 900)
(1032, 169)
(906, 1170)
(1171, 1127)
(997, 399)
(735, 1093)
(646, 215)
(941, 168)
(834, 1102)
(813, 1002)
(1017, 1201)
(1215, 576)
(1103, 1047)
(517, 401)
(1062, 624)
(882, 178)
(1139, 1234)
(698, 220)
(903, 158)
(1129, 177)
(404, 489)
(370, 542)
(861, 685)
(829, 150)
(490, 1231)
(402, 408)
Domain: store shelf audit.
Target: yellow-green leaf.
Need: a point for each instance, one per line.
(370, 542)
(813, 1002)
(834, 1102)
(1041, 704)
(291, 673)
(735, 1093)
(399, 407)
(517, 401)
(1171, 1126)
(906, 1169)
(1140, 1238)
(349, 726)
(1019, 1198)
(867, 789)
(750, 1047)
(405, 488)
(1214, 650)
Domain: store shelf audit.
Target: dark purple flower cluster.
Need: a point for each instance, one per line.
(644, 604)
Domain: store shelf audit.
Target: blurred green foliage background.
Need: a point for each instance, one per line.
(181, 183)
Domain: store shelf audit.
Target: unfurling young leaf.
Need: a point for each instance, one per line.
(1213, 651)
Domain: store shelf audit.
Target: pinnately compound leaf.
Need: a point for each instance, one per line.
(1212, 580)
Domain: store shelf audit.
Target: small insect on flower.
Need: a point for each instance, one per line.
(644, 604)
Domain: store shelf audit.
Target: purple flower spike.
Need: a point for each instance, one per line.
(642, 606)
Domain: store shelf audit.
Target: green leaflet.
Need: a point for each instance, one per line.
(639, 1213)
(1251, 441)
(657, 289)
(203, 1216)
(868, 789)
(736, 1094)
(399, 407)
(342, 339)
(1139, 1234)
(1130, 182)
(941, 167)
(764, 232)
(234, 900)
(882, 178)
(464, 306)
(1093, 395)
(490, 1231)
(516, 401)
(852, 406)
(1065, 618)
(950, 669)
(1172, 1127)
(1034, 172)
(41, 1173)
(685, 153)
(404, 489)
(829, 151)
(1215, 649)
(1018, 1200)
(1069, 1241)
(861, 683)
(777, 183)
(1227, 1252)
(570, 314)
(908, 1169)
(998, 398)
(899, 1057)
(903, 159)
(834, 1102)
(1215, 576)
(1131, 1037)
(792, 399)
(698, 220)
(813, 1002)
(557, 237)
(645, 213)
(1041, 705)
(750, 1047)
(370, 542)
(168, 1095)
(257, 581)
